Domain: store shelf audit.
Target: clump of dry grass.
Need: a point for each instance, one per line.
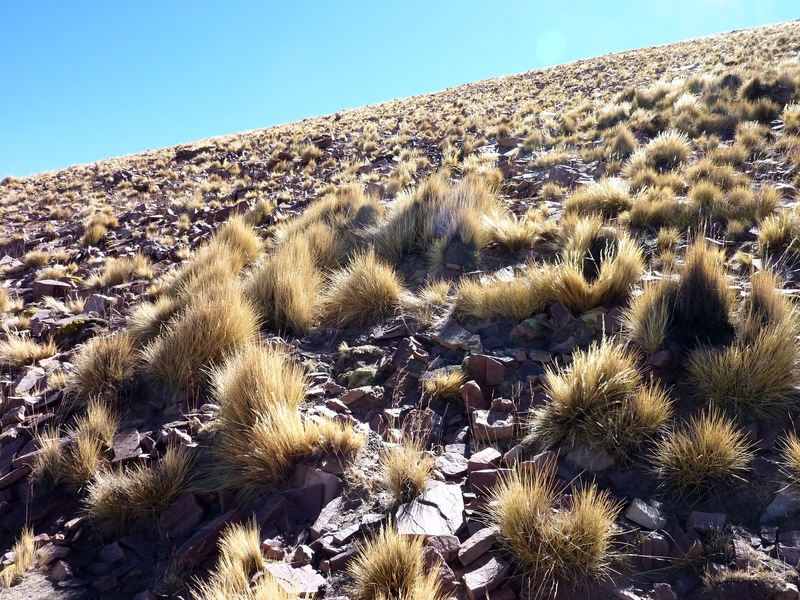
(790, 454)
(570, 546)
(599, 401)
(35, 258)
(647, 318)
(390, 565)
(5, 301)
(120, 270)
(519, 298)
(405, 470)
(708, 451)
(149, 319)
(136, 497)
(211, 327)
(24, 550)
(240, 560)
(666, 152)
(286, 287)
(103, 365)
(363, 292)
(97, 226)
(20, 351)
(607, 197)
(779, 234)
(447, 385)
(241, 237)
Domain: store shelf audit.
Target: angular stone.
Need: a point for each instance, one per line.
(304, 581)
(126, 444)
(331, 484)
(98, 303)
(105, 583)
(560, 314)
(655, 549)
(645, 515)
(451, 465)
(303, 555)
(473, 396)
(61, 571)
(477, 545)
(703, 522)
(31, 382)
(198, 547)
(181, 516)
(273, 549)
(50, 287)
(439, 511)
(485, 459)
(484, 480)
(455, 337)
(664, 591)
(486, 370)
(590, 459)
(785, 503)
(484, 575)
(444, 574)
(491, 426)
(112, 553)
(446, 545)
(513, 455)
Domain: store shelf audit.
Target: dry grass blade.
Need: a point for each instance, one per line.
(405, 470)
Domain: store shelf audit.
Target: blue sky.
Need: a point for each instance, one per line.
(86, 80)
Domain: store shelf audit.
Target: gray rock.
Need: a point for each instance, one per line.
(703, 522)
(484, 575)
(645, 515)
(492, 426)
(477, 545)
(439, 511)
(785, 503)
(485, 459)
(454, 336)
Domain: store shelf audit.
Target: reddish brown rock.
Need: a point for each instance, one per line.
(182, 516)
(486, 370)
(477, 545)
(50, 287)
(126, 444)
(304, 581)
(484, 575)
(473, 396)
(489, 426)
(451, 464)
(198, 547)
(485, 459)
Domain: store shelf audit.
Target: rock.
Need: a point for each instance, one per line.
(98, 303)
(272, 509)
(198, 547)
(126, 444)
(485, 459)
(303, 555)
(664, 591)
(502, 405)
(477, 545)
(486, 370)
(273, 549)
(785, 503)
(484, 576)
(50, 287)
(446, 545)
(561, 315)
(32, 382)
(304, 581)
(655, 549)
(484, 480)
(181, 516)
(61, 571)
(513, 455)
(112, 553)
(473, 396)
(490, 426)
(425, 425)
(451, 465)
(663, 359)
(703, 522)
(331, 484)
(645, 515)
(590, 459)
(331, 516)
(438, 511)
(105, 583)
(454, 336)
(743, 590)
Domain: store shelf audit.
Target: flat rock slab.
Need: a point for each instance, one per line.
(451, 464)
(303, 581)
(455, 337)
(439, 511)
(492, 426)
(703, 522)
(126, 444)
(645, 515)
(485, 575)
(477, 545)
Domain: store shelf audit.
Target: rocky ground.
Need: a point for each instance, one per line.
(372, 377)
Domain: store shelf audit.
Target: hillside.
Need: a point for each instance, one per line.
(530, 337)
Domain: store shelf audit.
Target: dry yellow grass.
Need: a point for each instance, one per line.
(390, 565)
(571, 546)
(19, 351)
(149, 319)
(24, 550)
(519, 298)
(103, 365)
(607, 197)
(239, 236)
(446, 386)
(405, 470)
(120, 270)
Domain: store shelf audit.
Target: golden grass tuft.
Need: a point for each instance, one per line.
(790, 459)
(708, 451)
(571, 546)
(791, 119)
(667, 151)
(211, 327)
(262, 433)
(363, 292)
(599, 401)
(136, 497)
(149, 319)
(24, 550)
(35, 258)
(392, 566)
(120, 270)
(405, 470)
(5, 301)
(447, 385)
(647, 318)
(286, 287)
(607, 197)
(103, 365)
(240, 560)
(241, 237)
(518, 298)
(18, 351)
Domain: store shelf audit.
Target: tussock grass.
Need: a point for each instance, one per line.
(24, 550)
(390, 565)
(286, 288)
(708, 451)
(790, 455)
(5, 301)
(120, 270)
(35, 258)
(756, 375)
(599, 401)
(519, 298)
(149, 319)
(446, 386)
(791, 119)
(405, 470)
(240, 560)
(779, 234)
(666, 152)
(241, 237)
(210, 328)
(18, 351)
(571, 546)
(136, 497)
(103, 365)
(607, 197)
(657, 208)
(362, 293)
(647, 318)
(262, 433)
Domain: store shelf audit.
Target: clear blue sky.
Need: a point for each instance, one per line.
(82, 81)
